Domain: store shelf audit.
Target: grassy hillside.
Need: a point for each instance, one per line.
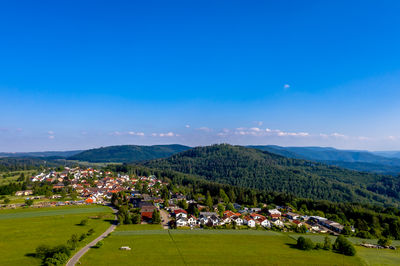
(246, 167)
(128, 153)
(354, 160)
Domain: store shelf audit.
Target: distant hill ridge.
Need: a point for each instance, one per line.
(350, 159)
(252, 168)
(40, 154)
(128, 153)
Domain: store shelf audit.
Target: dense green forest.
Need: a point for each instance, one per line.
(251, 168)
(18, 164)
(128, 153)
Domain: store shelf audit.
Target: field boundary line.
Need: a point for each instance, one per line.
(177, 248)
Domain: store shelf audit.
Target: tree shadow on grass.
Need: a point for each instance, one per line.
(32, 255)
(111, 221)
(291, 245)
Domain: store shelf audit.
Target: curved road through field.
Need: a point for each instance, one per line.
(80, 253)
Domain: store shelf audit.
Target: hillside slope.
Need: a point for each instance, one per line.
(354, 160)
(247, 167)
(128, 153)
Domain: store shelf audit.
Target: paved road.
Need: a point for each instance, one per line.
(165, 218)
(80, 253)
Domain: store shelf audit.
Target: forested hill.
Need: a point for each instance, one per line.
(128, 153)
(246, 167)
(17, 164)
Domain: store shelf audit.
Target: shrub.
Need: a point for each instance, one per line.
(82, 237)
(84, 222)
(57, 255)
(364, 234)
(305, 243)
(90, 232)
(344, 246)
(327, 243)
(319, 246)
(29, 202)
(383, 241)
(99, 244)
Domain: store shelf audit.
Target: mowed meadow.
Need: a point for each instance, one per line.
(154, 246)
(22, 230)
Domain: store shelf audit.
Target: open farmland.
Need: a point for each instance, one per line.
(368, 256)
(213, 247)
(22, 230)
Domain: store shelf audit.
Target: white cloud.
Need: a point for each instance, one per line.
(256, 131)
(205, 129)
(286, 86)
(168, 134)
(116, 133)
(187, 126)
(392, 138)
(132, 133)
(50, 132)
(51, 137)
(224, 132)
(338, 135)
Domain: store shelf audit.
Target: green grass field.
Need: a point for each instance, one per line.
(9, 177)
(212, 247)
(368, 256)
(22, 230)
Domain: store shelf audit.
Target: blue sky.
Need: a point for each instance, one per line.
(83, 74)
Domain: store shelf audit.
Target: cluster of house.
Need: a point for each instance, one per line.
(252, 217)
(210, 219)
(92, 185)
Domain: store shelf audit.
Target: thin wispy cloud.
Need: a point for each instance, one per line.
(132, 133)
(128, 133)
(205, 129)
(259, 132)
(168, 134)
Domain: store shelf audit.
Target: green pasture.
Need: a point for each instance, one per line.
(22, 230)
(368, 256)
(207, 247)
(9, 177)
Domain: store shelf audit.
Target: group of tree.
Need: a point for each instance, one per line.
(342, 245)
(58, 255)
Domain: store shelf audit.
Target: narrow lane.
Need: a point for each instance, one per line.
(85, 249)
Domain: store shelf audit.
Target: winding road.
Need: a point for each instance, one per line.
(80, 253)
